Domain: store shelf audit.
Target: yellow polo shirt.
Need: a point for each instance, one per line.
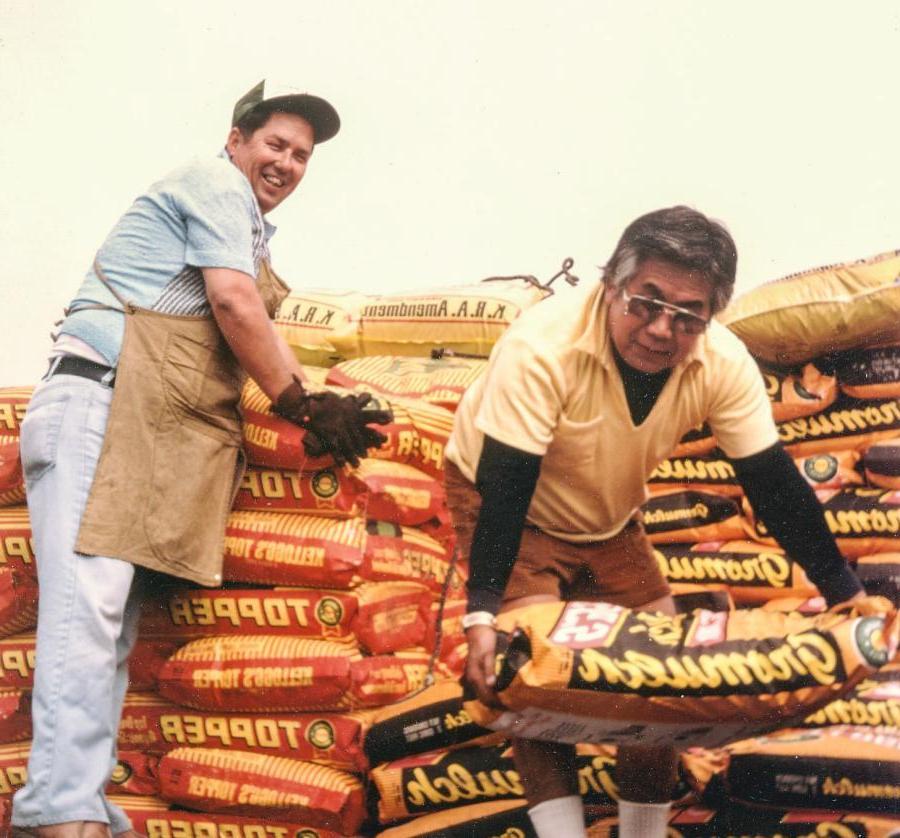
(552, 388)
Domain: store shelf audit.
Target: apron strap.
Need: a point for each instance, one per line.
(127, 308)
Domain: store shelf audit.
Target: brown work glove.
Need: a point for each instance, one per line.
(336, 425)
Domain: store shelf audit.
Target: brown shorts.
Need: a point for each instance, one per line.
(621, 569)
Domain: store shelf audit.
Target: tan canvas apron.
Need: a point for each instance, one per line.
(171, 457)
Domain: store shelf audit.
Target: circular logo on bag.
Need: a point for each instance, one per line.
(820, 468)
(325, 484)
(121, 773)
(320, 734)
(870, 640)
(329, 611)
(306, 833)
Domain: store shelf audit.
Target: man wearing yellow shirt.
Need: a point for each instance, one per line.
(551, 450)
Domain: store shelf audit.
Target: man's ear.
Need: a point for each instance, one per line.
(234, 139)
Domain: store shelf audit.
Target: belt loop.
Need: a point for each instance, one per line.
(109, 378)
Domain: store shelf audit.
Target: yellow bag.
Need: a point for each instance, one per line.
(311, 321)
(440, 382)
(464, 318)
(829, 309)
(596, 672)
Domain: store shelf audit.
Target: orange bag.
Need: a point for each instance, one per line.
(870, 373)
(269, 548)
(695, 443)
(16, 543)
(156, 726)
(880, 575)
(135, 773)
(147, 659)
(13, 404)
(383, 617)
(258, 673)
(18, 601)
(874, 702)
(416, 436)
(379, 490)
(12, 481)
(480, 820)
(862, 521)
(849, 424)
(165, 823)
(734, 820)
(881, 462)
(596, 672)
(257, 785)
(330, 492)
(435, 718)
(751, 572)
(841, 768)
(690, 515)
(396, 552)
(798, 393)
(17, 661)
(440, 382)
(443, 780)
(13, 767)
(15, 716)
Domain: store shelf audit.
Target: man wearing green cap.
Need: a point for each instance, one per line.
(132, 442)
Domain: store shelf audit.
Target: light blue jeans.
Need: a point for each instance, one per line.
(87, 615)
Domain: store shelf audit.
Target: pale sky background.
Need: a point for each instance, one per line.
(479, 138)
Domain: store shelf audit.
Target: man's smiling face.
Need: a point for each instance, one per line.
(274, 157)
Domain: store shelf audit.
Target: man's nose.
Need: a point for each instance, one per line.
(661, 325)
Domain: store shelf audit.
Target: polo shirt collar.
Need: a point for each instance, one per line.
(593, 337)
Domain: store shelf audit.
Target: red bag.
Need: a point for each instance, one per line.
(12, 482)
(157, 726)
(256, 785)
(13, 404)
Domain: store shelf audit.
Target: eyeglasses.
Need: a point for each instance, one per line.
(684, 322)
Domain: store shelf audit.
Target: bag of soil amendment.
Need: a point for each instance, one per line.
(795, 393)
(870, 373)
(597, 672)
(828, 309)
(507, 818)
(839, 769)
(881, 462)
(437, 381)
(734, 821)
(874, 702)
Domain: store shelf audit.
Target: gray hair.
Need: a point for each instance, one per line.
(682, 237)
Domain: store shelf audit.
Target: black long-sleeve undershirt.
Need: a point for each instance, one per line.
(780, 497)
(505, 479)
(792, 514)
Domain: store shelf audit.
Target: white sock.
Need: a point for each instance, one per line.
(643, 820)
(562, 816)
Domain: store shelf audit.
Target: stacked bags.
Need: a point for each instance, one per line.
(828, 345)
(249, 705)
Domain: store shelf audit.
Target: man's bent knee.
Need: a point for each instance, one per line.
(646, 773)
(547, 769)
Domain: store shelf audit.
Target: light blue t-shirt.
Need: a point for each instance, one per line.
(202, 215)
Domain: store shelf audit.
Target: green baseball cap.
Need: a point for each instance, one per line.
(319, 113)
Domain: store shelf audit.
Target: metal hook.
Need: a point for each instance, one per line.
(571, 279)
